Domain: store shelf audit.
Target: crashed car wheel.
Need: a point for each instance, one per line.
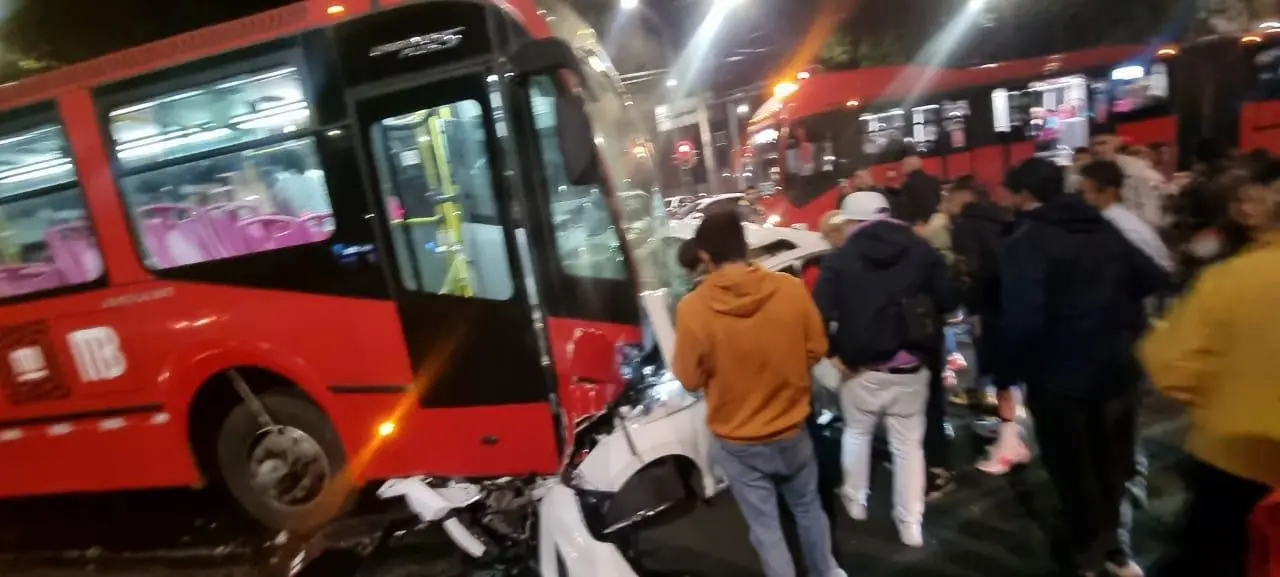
(283, 476)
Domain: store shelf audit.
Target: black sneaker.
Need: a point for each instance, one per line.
(940, 482)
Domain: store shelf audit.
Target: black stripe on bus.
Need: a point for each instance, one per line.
(368, 389)
(82, 416)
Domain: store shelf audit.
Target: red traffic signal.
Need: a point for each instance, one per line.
(686, 155)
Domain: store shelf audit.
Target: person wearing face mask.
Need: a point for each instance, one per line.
(1071, 309)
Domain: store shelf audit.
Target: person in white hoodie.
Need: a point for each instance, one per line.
(1101, 183)
(1145, 188)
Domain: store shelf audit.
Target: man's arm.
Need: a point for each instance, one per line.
(816, 342)
(826, 293)
(1023, 275)
(688, 364)
(940, 286)
(1179, 352)
(1149, 276)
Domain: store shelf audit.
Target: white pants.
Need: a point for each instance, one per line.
(901, 401)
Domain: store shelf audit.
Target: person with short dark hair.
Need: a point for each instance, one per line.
(687, 256)
(1071, 310)
(748, 338)
(921, 192)
(977, 232)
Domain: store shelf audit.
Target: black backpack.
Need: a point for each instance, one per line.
(911, 324)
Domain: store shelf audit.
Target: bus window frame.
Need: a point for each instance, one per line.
(1149, 112)
(32, 117)
(597, 299)
(281, 52)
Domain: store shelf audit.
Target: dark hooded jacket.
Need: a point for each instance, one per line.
(918, 198)
(880, 264)
(976, 234)
(1071, 302)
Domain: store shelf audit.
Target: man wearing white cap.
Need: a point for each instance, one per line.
(882, 295)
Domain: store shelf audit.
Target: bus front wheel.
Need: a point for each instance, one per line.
(286, 474)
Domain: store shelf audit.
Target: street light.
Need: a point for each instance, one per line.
(628, 4)
(671, 83)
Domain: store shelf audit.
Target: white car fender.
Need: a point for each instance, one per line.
(563, 537)
(676, 427)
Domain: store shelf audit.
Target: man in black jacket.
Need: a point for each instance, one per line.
(978, 227)
(883, 295)
(1071, 310)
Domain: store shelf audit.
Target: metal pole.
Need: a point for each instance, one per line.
(708, 146)
(731, 112)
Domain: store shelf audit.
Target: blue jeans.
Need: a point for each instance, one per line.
(757, 474)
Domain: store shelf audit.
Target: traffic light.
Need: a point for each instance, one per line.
(686, 155)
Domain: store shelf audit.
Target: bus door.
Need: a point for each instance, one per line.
(1260, 111)
(420, 90)
(1209, 81)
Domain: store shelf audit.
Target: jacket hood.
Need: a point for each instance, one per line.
(882, 244)
(986, 211)
(740, 291)
(1071, 215)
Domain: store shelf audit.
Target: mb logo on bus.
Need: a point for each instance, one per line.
(28, 364)
(97, 354)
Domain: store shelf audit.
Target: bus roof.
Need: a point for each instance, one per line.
(212, 40)
(858, 88)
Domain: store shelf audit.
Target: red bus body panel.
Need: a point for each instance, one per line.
(133, 432)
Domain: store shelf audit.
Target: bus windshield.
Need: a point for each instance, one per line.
(625, 147)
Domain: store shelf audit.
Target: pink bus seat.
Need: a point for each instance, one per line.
(395, 210)
(320, 225)
(75, 252)
(28, 278)
(173, 236)
(274, 231)
(224, 221)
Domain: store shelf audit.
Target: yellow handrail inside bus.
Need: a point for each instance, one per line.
(457, 279)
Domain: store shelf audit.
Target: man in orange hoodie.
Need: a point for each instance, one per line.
(748, 338)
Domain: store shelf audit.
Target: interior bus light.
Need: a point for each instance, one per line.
(1269, 25)
(1167, 51)
(784, 89)
(1251, 39)
(802, 75)
(852, 103)
(386, 428)
(336, 10)
(1134, 72)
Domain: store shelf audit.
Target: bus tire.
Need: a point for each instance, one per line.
(302, 447)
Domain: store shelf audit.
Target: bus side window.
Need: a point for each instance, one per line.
(587, 239)
(263, 193)
(46, 239)
(433, 168)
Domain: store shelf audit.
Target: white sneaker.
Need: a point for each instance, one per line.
(1130, 569)
(911, 534)
(857, 507)
(1007, 452)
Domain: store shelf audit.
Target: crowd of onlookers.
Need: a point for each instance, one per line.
(1091, 285)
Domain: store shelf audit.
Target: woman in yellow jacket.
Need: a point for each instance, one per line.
(1217, 354)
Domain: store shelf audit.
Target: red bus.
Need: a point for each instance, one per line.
(985, 119)
(333, 237)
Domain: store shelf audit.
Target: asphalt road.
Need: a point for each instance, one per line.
(988, 527)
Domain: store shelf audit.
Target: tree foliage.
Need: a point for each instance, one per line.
(887, 32)
(40, 34)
